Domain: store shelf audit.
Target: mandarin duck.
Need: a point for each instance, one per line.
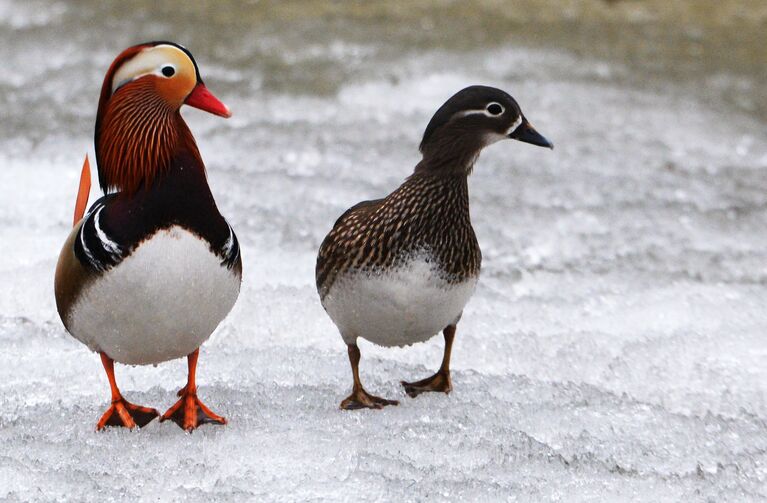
(398, 270)
(148, 273)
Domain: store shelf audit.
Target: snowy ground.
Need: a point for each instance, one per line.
(615, 349)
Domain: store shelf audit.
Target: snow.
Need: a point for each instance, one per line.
(614, 349)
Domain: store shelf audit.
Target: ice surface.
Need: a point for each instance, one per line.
(615, 349)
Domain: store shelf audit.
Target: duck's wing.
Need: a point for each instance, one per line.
(87, 253)
(72, 275)
(341, 245)
(94, 246)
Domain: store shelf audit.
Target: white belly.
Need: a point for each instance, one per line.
(160, 303)
(401, 307)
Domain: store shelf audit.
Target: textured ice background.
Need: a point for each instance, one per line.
(615, 349)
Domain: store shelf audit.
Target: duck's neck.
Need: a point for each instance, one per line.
(138, 136)
(433, 211)
(440, 198)
(450, 153)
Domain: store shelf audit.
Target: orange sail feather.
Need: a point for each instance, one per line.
(83, 192)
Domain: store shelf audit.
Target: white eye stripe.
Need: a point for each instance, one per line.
(156, 73)
(151, 61)
(480, 111)
(118, 85)
(464, 113)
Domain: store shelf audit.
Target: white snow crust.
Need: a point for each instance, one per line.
(615, 348)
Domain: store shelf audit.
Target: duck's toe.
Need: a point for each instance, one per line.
(439, 382)
(127, 415)
(361, 399)
(189, 412)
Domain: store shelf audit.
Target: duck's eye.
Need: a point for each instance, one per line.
(494, 109)
(168, 71)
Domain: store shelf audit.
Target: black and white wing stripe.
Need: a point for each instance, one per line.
(94, 248)
(231, 249)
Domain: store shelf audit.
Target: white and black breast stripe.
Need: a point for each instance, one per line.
(99, 250)
(231, 249)
(93, 246)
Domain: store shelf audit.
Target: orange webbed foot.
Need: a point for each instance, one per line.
(189, 412)
(127, 415)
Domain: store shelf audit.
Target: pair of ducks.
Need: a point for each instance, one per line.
(153, 267)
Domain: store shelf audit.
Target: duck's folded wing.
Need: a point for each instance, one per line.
(94, 247)
(335, 249)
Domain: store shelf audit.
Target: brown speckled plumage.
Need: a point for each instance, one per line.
(398, 270)
(429, 212)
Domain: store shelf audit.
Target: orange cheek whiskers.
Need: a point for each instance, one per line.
(137, 138)
(175, 90)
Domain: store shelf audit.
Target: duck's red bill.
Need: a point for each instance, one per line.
(203, 99)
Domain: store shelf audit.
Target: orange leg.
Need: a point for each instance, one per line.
(361, 399)
(440, 381)
(189, 412)
(122, 412)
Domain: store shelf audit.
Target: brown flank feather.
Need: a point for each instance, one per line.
(427, 212)
(71, 277)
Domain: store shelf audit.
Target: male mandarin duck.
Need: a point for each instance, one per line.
(153, 267)
(397, 270)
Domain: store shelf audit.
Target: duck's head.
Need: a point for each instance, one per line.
(472, 119)
(138, 125)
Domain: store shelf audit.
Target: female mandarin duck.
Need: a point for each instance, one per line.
(397, 270)
(153, 267)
